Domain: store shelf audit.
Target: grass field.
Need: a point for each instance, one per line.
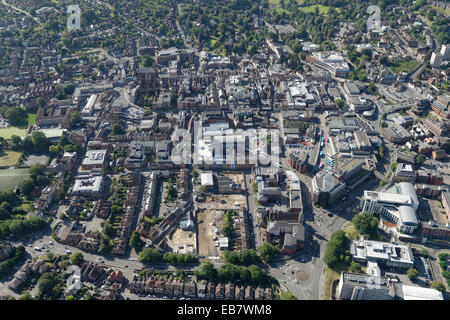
(31, 119)
(404, 65)
(9, 158)
(6, 133)
(330, 276)
(322, 9)
(10, 178)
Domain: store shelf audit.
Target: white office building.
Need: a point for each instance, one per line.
(398, 204)
(382, 253)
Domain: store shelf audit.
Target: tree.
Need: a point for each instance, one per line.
(77, 258)
(147, 61)
(108, 229)
(25, 296)
(40, 141)
(437, 285)
(393, 166)
(16, 142)
(267, 251)
(365, 224)
(420, 158)
(101, 67)
(355, 267)
(15, 115)
(54, 150)
(135, 240)
(41, 102)
(340, 103)
(206, 271)
(149, 255)
(69, 89)
(27, 186)
(337, 249)
(412, 274)
(74, 118)
(381, 152)
(116, 129)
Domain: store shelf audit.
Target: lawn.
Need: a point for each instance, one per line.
(10, 178)
(404, 65)
(9, 158)
(351, 232)
(31, 119)
(330, 276)
(273, 2)
(6, 133)
(322, 9)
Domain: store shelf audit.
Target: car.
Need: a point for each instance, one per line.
(330, 214)
(68, 251)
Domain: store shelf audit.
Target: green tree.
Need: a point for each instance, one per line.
(77, 258)
(355, 267)
(40, 141)
(135, 240)
(412, 273)
(147, 61)
(41, 102)
(116, 129)
(150, 255)
(365, 224)
(337, 249)
(267, 251)
(54, 150)
(206, 271)
(420, 158)
(27, 186)
(74, 118)
(69, 89)
(393, 166)
(438, 285)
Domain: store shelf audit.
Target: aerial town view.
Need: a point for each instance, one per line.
(224, 150)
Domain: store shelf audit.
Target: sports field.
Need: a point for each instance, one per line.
(6, 133)
(9, 158)
(10, 178)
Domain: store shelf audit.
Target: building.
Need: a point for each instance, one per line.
(58, 116)
(291, 235)
(331, 62)
(326, 188)
(95, 159)
(383, 253)
(207, 180)
(439, 154)
(90, 187)
(355, 286)
(404, 173)
(397, 204)
(405, 292)
(435, 230)
(445, 52)
(396, 134)
(445, 198)
(436, 60)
